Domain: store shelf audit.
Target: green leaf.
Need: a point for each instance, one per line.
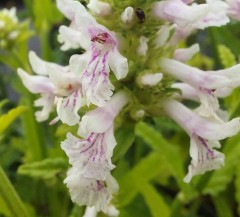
(10, 196)
(143, 172)
(237, 187)
(168, 152)
(45, 169)
(226, 56)
(4, 208)
(155, 202)
(222, 206)
(125, 138)
(3, 102)
(46, 13)
(7, 119)
(222, 177)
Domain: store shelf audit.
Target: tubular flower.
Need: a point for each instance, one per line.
(233, 9)
(158, 79)
(205, 135)
(101, 50)
(92, 155)
(197, 16)
(90, 192)
(209, 85)
(57, 85)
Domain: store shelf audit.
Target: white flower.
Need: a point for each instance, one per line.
(185, 54)
(143, 46)
(204, 134)
(100, 8)
(234, 9)
(151, 79)
(128, 15)
(162, 35)
(90, 192)
(176, 11)
(42, 85)
(92, 155)
(198, 16)
(101, 51)
(57, 85)
(90, 212)
(208, 84)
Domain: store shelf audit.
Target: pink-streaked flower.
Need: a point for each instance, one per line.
(89, 180)
(92, 155)
(90, 192)
(234, 9)
(205, 134)
(57, 85)
(101, 47)
(196, 16)
(208, 84)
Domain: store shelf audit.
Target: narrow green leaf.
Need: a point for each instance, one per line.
(4, 208)
(169, 152)
(226, 56)
(222, 177)
(45, 169)
(125, 138)
(237, 187)
(155, 202)
(7, 119)
(10, 196)
(148, 168)
(222, 206)
(3, 102)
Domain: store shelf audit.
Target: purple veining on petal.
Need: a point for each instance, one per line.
(91, 142)
(75, 95)
(204, 143)
(100, 185)
(66, 103)
(103, 72)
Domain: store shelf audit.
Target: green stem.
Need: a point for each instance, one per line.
(11, 197)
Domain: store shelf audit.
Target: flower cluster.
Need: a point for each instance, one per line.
(12, 31)
(130, 65)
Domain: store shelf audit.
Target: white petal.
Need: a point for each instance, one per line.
(40, 66)
(92, 156)
(162, 36)
(90, 192)
(143, 46)
(204, 158)
(47, 102)
(185, 54)
(127, 15)
(203, 127)
(194, 76)
(100, 119)
(180, 13)
(36, 83)
(100, 8)
(67, 108)
(118, 64)
(78, 63)
(151, 79)
(90, 212)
